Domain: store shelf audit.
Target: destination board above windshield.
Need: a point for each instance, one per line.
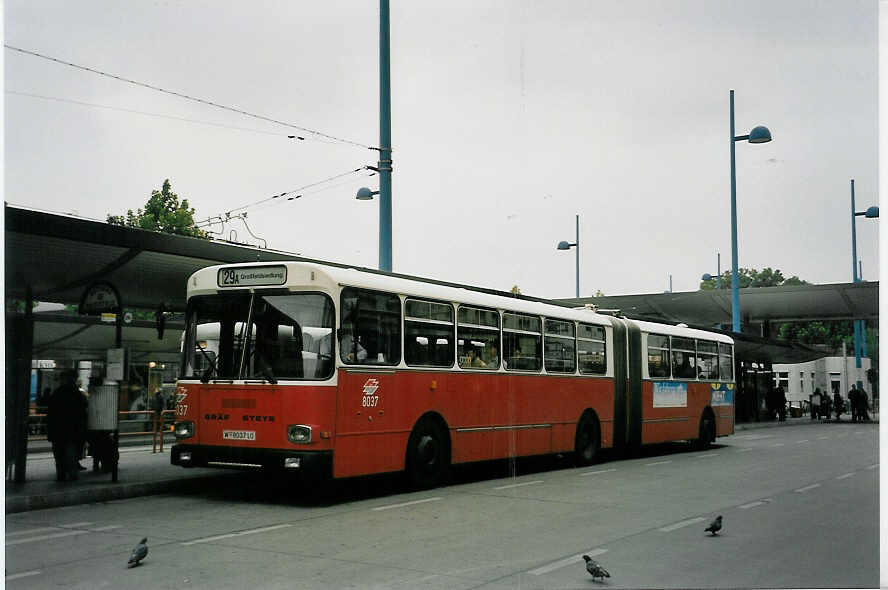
(252, 276)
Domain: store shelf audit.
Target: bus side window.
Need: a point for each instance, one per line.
(370, 327)
(591, 349)
(658, 356)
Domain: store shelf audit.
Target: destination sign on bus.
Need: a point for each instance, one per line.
(252, 276)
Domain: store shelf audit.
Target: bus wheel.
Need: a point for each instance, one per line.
(707, 432)
(587, 446)
(428, 454)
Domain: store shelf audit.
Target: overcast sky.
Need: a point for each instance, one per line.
(508, 119)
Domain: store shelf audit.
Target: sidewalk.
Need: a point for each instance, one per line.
(802, 421)
(140, 473)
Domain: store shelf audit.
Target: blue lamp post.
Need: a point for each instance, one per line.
(758, 134)
(870, 213)
(562, 245)
(385, 144)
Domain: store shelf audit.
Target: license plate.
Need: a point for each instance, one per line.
(239, 434)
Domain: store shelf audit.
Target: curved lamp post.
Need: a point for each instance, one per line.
(562, 245)
(759, 134)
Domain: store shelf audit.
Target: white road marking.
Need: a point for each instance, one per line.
(106, 528)
(806, 488)
(822, 437)
(657, 463)
(751, 505)
(872, 466)
(518, 485)
(684, 523)
(859, 432)
(798, 442)
(49, 528)
(777, 445)
(390, 506)
(46, 537)
(597, 472)
(238, 534)
(846, 475)
(746, 450)
(705, 456)
(23, 575)
(565, 562)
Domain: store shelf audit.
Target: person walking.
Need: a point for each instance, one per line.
(66, 425)
(815, 404)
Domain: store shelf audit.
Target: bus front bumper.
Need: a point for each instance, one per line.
(190, 455)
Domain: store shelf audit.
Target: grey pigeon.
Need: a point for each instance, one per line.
(594, 568)
(715, 526)
(140, 552)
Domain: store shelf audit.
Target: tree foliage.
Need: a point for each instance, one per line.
(750, 277)
(162, 213)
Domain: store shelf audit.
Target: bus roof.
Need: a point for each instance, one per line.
(328, 278)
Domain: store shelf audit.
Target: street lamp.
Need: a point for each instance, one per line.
(708, 277)
(562, 245)
(870, 213)
(758, 134)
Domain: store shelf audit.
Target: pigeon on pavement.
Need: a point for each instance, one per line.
(714, 526)
(140, 552)
(594, 568)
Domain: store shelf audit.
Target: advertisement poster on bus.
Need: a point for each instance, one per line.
(722, 394)
(670, 394)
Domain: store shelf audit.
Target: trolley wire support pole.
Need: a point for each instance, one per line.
(385, 142)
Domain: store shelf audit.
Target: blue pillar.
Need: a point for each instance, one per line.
(385, 142)
(735, 293)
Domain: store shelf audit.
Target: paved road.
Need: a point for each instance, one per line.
(800, 508)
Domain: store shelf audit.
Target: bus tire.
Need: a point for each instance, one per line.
(587, 444)
(707, 431)
(428, 454)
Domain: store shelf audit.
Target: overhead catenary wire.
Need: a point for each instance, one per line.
(188, 97)
(228, 214)
(159, 115)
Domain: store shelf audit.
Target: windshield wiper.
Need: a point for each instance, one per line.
(205, 377)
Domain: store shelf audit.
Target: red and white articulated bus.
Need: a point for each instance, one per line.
(346, 372)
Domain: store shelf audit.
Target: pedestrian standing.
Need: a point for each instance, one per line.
(863, 408)
(66, 425)
(854, 402)
(780, 400)
(838, 405)
(815, 404)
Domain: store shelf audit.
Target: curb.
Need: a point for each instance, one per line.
(808, 422)
(110, 492)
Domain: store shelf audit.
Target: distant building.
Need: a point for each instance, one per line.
(831, 374)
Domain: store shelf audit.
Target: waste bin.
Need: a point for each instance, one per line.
(103, 429)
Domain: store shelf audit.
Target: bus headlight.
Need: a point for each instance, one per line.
(184, 429)
(299, 433)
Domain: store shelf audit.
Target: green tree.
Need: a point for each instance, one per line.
(162, 213)
(750, 277)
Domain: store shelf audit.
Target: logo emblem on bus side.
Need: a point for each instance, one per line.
(370, 386)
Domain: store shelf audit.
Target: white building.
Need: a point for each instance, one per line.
(830, 374)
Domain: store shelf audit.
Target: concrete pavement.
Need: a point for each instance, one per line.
(142, 473)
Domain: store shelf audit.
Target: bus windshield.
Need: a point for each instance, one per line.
(255, 336)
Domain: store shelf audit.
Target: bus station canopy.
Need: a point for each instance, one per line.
(56, 258)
